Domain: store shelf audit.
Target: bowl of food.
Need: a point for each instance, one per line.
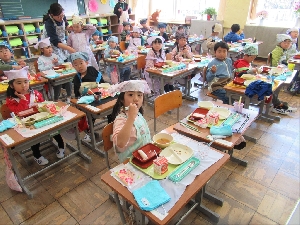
(168, 62)
(197, 59)
(140, 47)
(99, 42)
(115, 56)
(266, 69)
(159, 64)
(296, 56)
(162, 140)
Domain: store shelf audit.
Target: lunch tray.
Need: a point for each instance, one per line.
(48, 121)
(184, 169)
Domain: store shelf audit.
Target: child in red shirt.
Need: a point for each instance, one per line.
(242, 66)
(21, 97)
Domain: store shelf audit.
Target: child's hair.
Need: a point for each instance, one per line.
(157, 40)
(235, 28)
(180, 27)
(56, 9)
(117, 108)
(212, 29)
(221, 44)
(10, 92)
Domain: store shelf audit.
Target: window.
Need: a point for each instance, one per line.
(167, 8)
(141, 10)
(280, 12)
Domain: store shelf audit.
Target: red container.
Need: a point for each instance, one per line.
(159, 64)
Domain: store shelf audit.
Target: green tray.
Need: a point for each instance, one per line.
(93, 21)
(15, 42)
(103, 21)
(150, 171)
(10, 29)
(29, 28)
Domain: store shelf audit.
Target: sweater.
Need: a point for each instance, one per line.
(233, 37)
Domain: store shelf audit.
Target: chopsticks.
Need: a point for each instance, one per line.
(189, 127)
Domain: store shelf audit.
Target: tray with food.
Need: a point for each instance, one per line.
(144, 156)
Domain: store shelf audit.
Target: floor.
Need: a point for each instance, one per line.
(264, 192)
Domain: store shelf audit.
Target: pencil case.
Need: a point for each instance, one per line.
(48, 121)
(184, 169)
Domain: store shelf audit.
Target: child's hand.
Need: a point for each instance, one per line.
(213, 69)
(20, 96)
(22, 63)
(16, 67)
(111, 52)
(132, 111)
(128, 37)
(55, 60)
(255, 70)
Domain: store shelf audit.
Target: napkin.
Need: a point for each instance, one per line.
(86, 99)
(6, 124)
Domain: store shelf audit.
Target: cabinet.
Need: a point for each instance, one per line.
(22, 35)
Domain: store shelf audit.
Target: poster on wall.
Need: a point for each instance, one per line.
(70, 7)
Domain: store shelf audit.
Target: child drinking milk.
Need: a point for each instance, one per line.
(130, 130)
(79, 38)
(21, 97)
(48, 59)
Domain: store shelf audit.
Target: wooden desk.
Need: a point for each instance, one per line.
(36, 85)
(170, 77)
(206, 131)
(20, 144)
(195, 190)
(120, 65)
(62, 79)
(105, 109)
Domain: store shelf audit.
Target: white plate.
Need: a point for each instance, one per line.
(104, 85)
(206, 105)
(177, 153)
(4, 82)
(223, 113)
(36, 116)
(248, 76)
(247, 82)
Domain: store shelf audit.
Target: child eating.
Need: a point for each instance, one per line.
(214, 38)
(236, 34)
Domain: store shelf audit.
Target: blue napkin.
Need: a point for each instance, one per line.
(151, 196)
(222, 130)
(280, 77)
(86, 99)
(120, 59)
(6, 124)
(52, 76)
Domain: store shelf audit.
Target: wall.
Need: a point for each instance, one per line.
(233, 11)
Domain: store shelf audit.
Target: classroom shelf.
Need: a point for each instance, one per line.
(111, 19)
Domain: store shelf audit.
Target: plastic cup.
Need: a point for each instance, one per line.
(238, 107)
(291, 66)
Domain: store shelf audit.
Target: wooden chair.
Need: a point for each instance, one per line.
(122, 45)
(167, 102)
(5, 112)
(269, 60)
(141, 63)
(36, 67)
(107, 142)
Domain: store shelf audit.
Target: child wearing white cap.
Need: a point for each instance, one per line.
(79, 38)
(48, 59)
(136, 40)
(280, 54)
(214, 38)
(19, 98)
(130, 130)
(113, 49)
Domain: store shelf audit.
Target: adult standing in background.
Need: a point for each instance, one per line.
(56, 25)
(121, 10)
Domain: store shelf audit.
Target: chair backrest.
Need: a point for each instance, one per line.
(167, 102)
(107, 142)
(141, 62)
(204, 74)
(36, 67)
(122, 45)
(269, 60)
(5, 112)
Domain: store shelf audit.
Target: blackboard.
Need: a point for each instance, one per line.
(33, 8)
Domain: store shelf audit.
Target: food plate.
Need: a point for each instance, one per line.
(30, 120)
(223, 113)
(197, 59)
(198, 114)
(115, 56)
(206, 104)
(4, 82)
(296, 56)
(177, 153)
(247, 82)
(59, 71)
(149, 149)
(104, 85)
(28, 112)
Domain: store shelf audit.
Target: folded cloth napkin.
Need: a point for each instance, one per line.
(86, 99)
(6, 124)
(280, 77)
(222, 130)
(151, 196)
(52, 76)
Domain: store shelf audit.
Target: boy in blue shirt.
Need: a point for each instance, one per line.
(236, 35)
(219, 72)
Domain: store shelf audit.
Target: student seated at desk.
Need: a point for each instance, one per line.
(79, 38)
(136, 40)
(280, 53)
(162, 31)
(214, 38)
(125, 35)
(130, 130)
(7, 61)
(146, 30)
(236, 34)
(111, 49)
(21, 97)
(85, 73)
(219, 72)
(94, 39)
(48, 59)
(182, 50)
(242, 66)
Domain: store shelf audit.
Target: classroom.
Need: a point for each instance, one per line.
(149, 112)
